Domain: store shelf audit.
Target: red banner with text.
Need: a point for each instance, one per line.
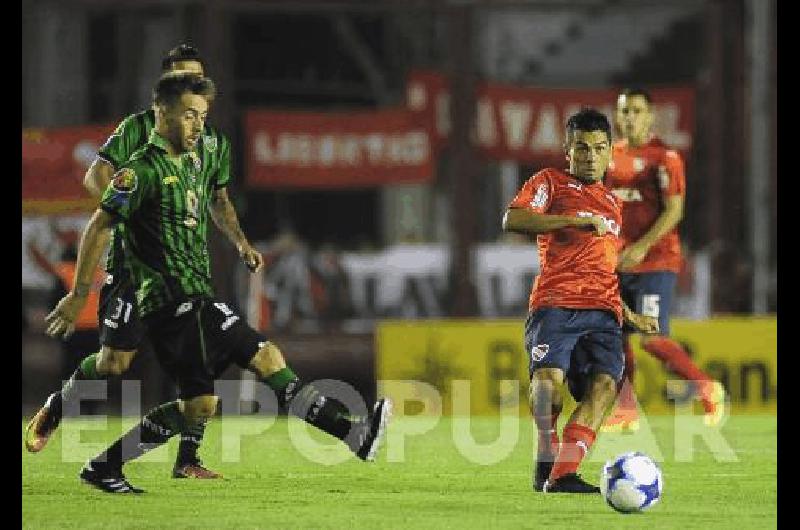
(526, 124)
(54, 162)
(336, 149)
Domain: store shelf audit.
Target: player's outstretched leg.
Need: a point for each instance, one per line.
(579, 435)
(361, 434)
(711, 393)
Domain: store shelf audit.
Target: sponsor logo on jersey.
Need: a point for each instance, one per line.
(628, 194)
(172, 179)
(210, 143)
(124, 180)
(539, 351)
(576, 186)
(611, 224)
(638, 164)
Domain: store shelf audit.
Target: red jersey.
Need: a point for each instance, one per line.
(643, 177)
(578, 268)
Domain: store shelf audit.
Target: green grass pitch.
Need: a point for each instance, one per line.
(424, 480)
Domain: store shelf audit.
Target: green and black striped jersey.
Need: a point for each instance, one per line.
(131, 135)
(163, 202)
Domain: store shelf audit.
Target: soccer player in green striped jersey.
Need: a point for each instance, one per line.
(121, 330)
(164, 195)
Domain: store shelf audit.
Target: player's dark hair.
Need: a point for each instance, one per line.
(587, 120)
(637, 91)
(172, 85)
(181, 52)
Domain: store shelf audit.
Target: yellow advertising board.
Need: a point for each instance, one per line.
(480, 366)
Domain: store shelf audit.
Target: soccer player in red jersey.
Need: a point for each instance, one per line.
(574, 326)
(649, 178)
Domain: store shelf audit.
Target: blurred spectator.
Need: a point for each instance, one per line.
(85, 339)
(330, 289)
(287, 283)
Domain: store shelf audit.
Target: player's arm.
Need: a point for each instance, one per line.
(672, 184)
(641, 323)
(117, 149)
(61, 321)
(224, 216)
(672, 214)
(529, 214)
(525, 221)
(97, 177)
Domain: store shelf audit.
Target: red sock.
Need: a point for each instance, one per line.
(548, 446)
(670, 352)
(677, 360)
(626, 399)
(578, 439)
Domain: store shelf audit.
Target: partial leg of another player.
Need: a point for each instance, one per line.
(106, 363)
(676, 359)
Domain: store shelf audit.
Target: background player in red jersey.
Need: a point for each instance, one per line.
(649, 178)
(573, 329)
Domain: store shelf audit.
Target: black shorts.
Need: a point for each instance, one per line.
(581, 342)
(117, 315)
(649, 294)
(196, 341)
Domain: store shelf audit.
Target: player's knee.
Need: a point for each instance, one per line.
(200, 408)
(544, 385)
(113, 362)
(547, 377)
(603, 385)
(267, 360)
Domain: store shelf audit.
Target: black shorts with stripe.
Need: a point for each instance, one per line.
(117, 316)
(195, 341)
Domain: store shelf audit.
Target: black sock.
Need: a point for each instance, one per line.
(191, 439)
(306, 402)
(158, 426)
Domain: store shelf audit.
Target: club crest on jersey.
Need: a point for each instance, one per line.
(539, 351)
(124, 180)
(540, 199)
(210, 143)
(195, 160)
(638, 164)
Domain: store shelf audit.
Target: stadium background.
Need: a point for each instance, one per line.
(378, 211)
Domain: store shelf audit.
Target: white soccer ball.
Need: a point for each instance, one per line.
(631, 482)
